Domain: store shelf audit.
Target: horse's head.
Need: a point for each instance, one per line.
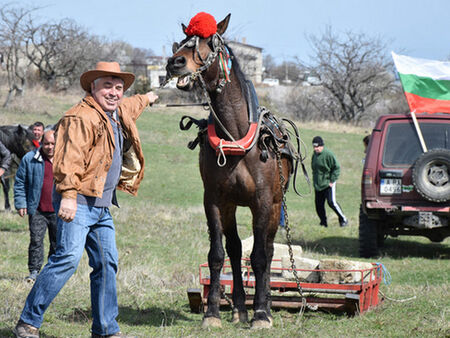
(198, 53)
(23, 141)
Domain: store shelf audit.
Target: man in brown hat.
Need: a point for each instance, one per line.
(97, 149)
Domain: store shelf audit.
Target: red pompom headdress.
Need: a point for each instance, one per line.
(203, 25)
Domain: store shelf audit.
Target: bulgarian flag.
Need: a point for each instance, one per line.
(426, 83)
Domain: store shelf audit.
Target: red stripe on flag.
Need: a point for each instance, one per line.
(422, 104)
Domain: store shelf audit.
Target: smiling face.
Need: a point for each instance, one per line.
(38, 131)
(107, 92)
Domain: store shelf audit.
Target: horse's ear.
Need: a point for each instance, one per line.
(223, 25)
(183, 27)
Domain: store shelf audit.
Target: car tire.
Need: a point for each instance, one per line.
(368, 236)
(431, 175)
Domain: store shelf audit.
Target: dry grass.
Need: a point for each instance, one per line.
(331, 126)
(162, 238)
(36, 103)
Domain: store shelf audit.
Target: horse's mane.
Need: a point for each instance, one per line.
(239, 74)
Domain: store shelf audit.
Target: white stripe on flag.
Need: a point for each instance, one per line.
(437, 70)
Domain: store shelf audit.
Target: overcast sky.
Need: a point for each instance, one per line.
(419, 28)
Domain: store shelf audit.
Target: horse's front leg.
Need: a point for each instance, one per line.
(234, 250)
(260, 260)
(216, 257)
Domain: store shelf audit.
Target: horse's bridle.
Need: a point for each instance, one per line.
(218, 49)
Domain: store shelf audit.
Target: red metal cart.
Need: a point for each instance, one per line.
(350, 297)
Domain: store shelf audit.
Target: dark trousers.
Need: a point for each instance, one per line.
(38, 223)
(329, 194)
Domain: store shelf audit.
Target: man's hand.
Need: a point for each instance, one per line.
(152, 97)
(67, 209)
(2, 171)
(22, 212)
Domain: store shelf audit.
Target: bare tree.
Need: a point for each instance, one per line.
(56, 52)
(60, 51)
(355, 73)
(12, 30)
(269, 65)
(287, 71)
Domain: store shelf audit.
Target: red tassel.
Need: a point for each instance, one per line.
(203, 25)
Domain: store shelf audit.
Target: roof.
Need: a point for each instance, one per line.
(230, 42)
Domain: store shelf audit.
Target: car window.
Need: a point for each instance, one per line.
(402, 145)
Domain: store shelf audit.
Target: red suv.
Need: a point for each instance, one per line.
(404, 190)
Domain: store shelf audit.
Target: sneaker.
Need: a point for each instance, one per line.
(32, 277)
(344, 223)
(23, 330)
(115, 335)
(324, 225)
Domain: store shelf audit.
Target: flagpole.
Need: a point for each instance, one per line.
(419, 132)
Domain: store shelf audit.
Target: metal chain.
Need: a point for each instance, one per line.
(288, 234)
(229, 301)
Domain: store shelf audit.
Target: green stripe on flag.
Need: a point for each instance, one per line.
(426, 87)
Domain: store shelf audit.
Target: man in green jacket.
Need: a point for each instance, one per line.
(326, 171)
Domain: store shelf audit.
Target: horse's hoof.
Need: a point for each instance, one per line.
(261, 324)
(211, 322)
(239, 317)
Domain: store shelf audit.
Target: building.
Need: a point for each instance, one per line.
(250, 59)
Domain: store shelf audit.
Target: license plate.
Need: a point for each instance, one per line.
(390, 186)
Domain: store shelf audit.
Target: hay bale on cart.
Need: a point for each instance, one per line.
(360, 271)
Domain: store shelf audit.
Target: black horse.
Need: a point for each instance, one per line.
(18, 140)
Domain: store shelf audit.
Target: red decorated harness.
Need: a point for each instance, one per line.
(238, 147)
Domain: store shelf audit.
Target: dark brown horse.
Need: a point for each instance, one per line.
(245, 177)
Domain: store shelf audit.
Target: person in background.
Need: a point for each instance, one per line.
(97, 149)
(38, 131)
(326, 169)
(5, 159)
(33, 197)
(366, 140)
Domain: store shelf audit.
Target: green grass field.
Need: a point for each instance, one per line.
(162, 238)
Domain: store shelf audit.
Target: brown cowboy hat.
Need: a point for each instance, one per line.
(106, 69)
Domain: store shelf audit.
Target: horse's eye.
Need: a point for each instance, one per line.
(175, 47)
(190, 43)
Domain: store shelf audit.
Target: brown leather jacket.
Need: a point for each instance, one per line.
(85, 144)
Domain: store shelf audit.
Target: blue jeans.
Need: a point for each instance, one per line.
(92, 229)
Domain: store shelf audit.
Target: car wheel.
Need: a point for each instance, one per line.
(431, 175)
(368, 236)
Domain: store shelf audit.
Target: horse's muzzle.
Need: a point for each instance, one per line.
(176, 64)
